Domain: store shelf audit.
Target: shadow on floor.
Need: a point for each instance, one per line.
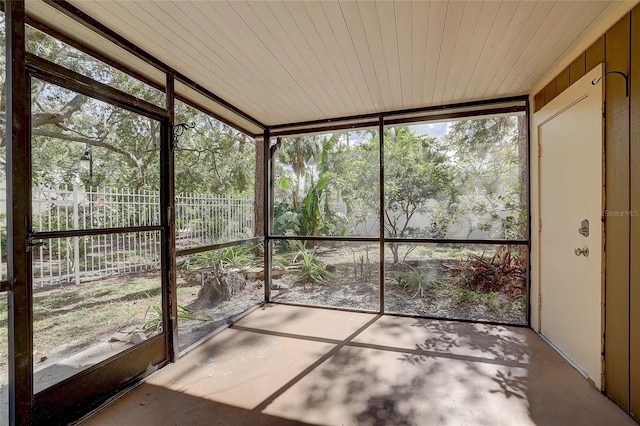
(155, 405)
(295, 366)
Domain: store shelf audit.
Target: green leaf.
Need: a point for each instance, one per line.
(285, 182)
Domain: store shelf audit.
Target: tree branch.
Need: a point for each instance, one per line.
(42, 118)
(131, 159)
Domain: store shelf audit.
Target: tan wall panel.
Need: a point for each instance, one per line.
(567, 77)
(635, 219)
(550, 91)
(562, 81)
(617, 227)
(577, 68)
(596, 52)
(539, 100)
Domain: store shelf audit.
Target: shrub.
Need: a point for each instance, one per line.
(501, 273)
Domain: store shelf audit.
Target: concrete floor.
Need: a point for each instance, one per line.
(285, 365)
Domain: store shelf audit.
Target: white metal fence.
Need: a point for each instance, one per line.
(201, 219)
(207, 219)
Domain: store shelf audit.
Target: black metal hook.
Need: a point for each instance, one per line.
(274, 147)
(178, 130)
(626, 80)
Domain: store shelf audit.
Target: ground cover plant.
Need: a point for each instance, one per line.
(431, 281)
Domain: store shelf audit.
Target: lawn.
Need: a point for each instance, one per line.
(69, 318)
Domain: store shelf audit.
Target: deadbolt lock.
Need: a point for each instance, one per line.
(584, 228)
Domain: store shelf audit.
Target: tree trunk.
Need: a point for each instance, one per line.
(395, 248)
(218, 286)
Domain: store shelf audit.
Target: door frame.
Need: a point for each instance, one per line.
(535, 285)
(71, 398)
(75, 395)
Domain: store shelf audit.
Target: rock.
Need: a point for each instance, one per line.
(137, 338)
(502, 298)
(254, 274)
(277, 272)
(279, 286)
(120, 337)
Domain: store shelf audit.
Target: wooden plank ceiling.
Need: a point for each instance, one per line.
(290, 61)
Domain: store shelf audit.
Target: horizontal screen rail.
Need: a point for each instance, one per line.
(88, 232)
(201, 249)
(398, 240)
(71, 80)
(455, 241)
(319, 238)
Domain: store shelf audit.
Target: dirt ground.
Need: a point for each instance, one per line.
(195, 321)
(355, 284)
(397, 300)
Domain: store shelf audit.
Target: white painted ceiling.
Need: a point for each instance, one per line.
(291, 61)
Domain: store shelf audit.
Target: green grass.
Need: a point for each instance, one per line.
(452, 252)
(75, 316)
(462, 296)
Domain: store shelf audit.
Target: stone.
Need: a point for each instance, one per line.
(137, 338)
(277, 272)
(120, 337)
(254, 274)
(279, 286)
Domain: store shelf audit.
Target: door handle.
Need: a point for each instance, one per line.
(582, 251)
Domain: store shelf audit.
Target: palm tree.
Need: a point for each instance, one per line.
(298, 152)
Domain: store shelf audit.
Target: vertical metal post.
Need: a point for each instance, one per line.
(76, 240)
(528, 165)
(18, 168)
(267, 206)
(381, 191)
(167, 219)
(229, 231)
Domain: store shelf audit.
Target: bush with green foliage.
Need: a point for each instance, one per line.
(413, 279)
(238, 256)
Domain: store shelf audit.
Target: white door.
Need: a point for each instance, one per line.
(570, 132)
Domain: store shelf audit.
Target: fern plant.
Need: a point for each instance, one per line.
(153, 317)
